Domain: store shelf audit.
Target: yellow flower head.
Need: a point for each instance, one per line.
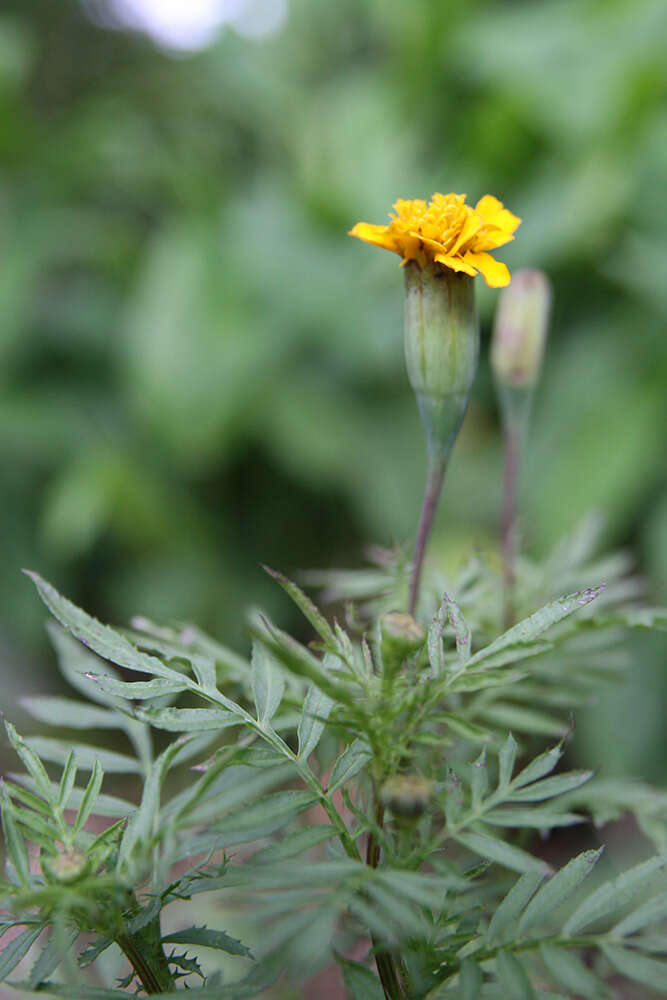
(447, 232)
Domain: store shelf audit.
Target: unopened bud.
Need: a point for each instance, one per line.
(520, 329)
(402, 635)
(406, 795)
(66, 867)
(441, 349)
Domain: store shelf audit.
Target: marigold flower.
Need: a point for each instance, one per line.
(446, 231)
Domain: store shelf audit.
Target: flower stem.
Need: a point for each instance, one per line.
(384, 960)
(512, 458)
(434, 478)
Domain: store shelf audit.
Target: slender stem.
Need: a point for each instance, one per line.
(508, 520)
(155, 978)
(384, 960)
(434, 478)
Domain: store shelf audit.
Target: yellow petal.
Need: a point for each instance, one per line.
(493, 271)
(456, 263)
(377, 236)
(495, 214)
(471, 225)
(490, 240)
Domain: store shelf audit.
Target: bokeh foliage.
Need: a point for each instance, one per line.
(199, 370)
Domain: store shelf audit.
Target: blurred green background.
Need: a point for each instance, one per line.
(199, 370)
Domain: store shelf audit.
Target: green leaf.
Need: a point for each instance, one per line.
(479, 779)
(268, 684)
(359, 981)
(570, 973)
(84, 756)
(434, 644)
(551, 787)
(471, 979)
(652, 972)
(541, 819)
(266, 814)
(17, 948)
(102, 639)
(651, 912)
(59, 944)
(105, 805)
(544, 764)
(89, 796)
(138, 690)
(350, 762)
(67, 780)
(219, 940)
(540, 621)
(506, 759)
(463, 727)
(500, 852)
(14, 841)
(558, 888)
(512, 977)
(614, 895)
(146, 819)
(188, 720)
(295, 844)
(514, 902)
(316, 709)
(299, 661)
(524, 720)
(306, 606)
(30, 759)
(461, 628)
(72, 714)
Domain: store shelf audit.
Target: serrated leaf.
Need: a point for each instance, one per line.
(558, 888)
(17, 948)
(463, 727)
(266, 814)
(188, 720)
(569, 972)
(89, 796)
(539, 622)
(144, 821)
(67, 780)
(461, 628)
(30, 759)
(359, 981)
(514, 902)
(479, 779)
(59, 944)
(651, 912)
(614, 895)
(551, 787)
(652, 972)
(268, 684)
(434, 644)
(295, 844)
(350, 762)
(316, 709)
(544, 764)
(540, 819)
(14, 842)
(471, 979)
(105, 805)
(204, 670)
(84, 756)
(138, 690)
(306, 606)
(502, 853)
(207, 938)
(102, 639)
(506, 759)
(298, 660)
(512, 977)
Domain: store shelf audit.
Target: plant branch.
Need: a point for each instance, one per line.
(434, 478)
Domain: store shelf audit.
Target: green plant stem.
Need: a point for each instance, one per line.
(148, 961)
(512, 455)
(384, 960)
(434, 478)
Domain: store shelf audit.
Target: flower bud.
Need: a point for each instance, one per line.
(520, 329)
(402, 635)
(66, 867)
(441, 349)
(406, 795)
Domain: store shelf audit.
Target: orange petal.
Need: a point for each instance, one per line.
(456, 263)
(493, 271)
